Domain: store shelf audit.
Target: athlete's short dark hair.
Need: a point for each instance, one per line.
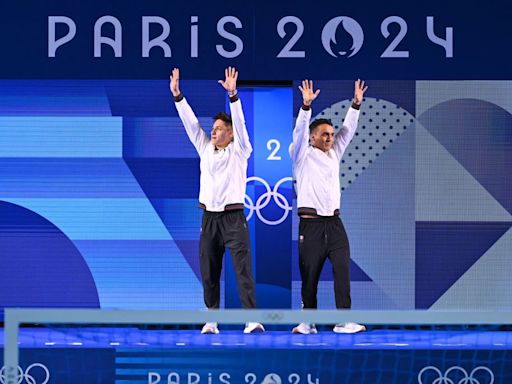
(314, 125)
(224, 117)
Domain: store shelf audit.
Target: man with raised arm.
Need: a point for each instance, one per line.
(223, 169)
(316, 155)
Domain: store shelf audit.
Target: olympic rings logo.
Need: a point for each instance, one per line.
(446, 379)
(26, 376)
(264, 200)
(273, 316)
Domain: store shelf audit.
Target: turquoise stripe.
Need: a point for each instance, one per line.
(77, 136)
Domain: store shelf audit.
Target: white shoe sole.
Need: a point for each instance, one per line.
(358, 329)
(256, 329)
(297, 331)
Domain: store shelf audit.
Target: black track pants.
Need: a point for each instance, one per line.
(218, 231)
(319, 239)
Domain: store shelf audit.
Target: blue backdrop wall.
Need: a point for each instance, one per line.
(99, 184)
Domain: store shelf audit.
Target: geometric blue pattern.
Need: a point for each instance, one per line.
(463, 191)
(160, 178)
(446, 250)
(39, 265)
(108, 164)
(478, 135)
(377, 203)
(160, 156)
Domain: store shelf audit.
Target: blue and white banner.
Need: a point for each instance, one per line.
(272, 366)
(266, 40)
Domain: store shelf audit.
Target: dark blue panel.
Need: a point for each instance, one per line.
(47, 98)
(167, 178)
(67, 365)
(313, 364)
(40, 266)
(156, 138)
(480, 33)
(445, 251)
(153, 98)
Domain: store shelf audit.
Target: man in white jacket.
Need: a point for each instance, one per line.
(222, 189)
(316, 155)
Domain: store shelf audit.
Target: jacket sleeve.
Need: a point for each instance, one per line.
(241, 137)
(300, 136)
(347, 131)
(195, 133)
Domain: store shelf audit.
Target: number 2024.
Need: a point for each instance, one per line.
(390, 52)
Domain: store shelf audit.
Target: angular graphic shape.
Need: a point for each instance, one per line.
(40, 266)
(446, 250)
(445, 190)
(478, 134)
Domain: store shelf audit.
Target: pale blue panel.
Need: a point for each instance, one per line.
(101, 218)
(78, 136)
(149, 274)
(378, 210)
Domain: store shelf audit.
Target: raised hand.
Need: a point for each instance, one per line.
(174, 84)
(359, 90)
(229, 83)
(307, 92)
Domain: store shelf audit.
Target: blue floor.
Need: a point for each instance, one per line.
(373, 339)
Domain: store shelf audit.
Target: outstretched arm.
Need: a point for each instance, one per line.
(197, 136)
(301, 130)
(347, 131)
(240, 134)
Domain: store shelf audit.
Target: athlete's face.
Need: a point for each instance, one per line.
(222, 134)
(323, 137)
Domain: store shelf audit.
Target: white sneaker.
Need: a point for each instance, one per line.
(210, 328)
(253, 328)
(305, 329)
(349, 328)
